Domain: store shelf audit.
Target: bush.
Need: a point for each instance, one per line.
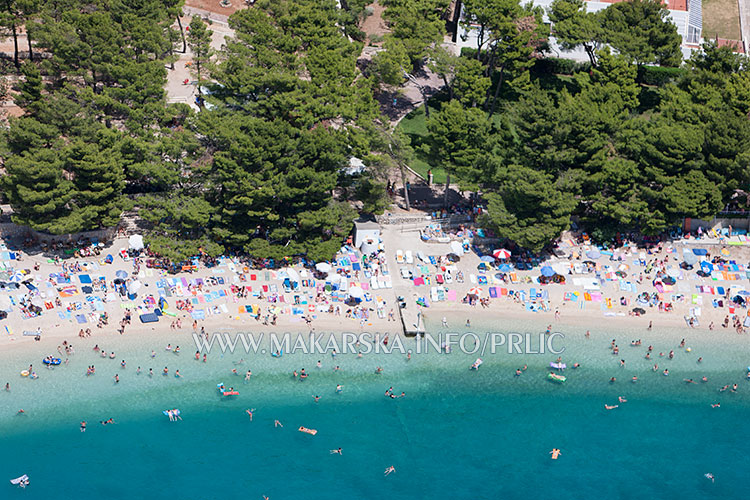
(469, 52)
(558, 66)
(658, 75)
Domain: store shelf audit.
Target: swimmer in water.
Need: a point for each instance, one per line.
(710, 476)
(612, 380)
(117, 378)
(108, 421)
(150, 372)
(250, 412)
(316, 398)
(138, 371)
(339, 388)
(724, 388)
(338, 451)
(611, 407)
(248, 375)
(122, 363)
(700, 359)
(634, 379)
(716, 405)
(622, 399)
(688, 381)
(276, 423)
(177, 374)
(83, 426)
(704, 379)
(518, 372)
(666, 372)
(389, 470)
(165, 371)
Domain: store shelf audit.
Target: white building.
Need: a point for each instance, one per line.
(687, 15)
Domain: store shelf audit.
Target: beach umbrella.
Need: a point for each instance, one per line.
(547, 271)
(121, 274)
(457, 248)
(334, 278)
(673, 272)
(504, 268)
(690, 258)
(668, 280)
(639, 310)
(453, 257)
(724, 251)
(134, 286)
(487, 258)
(594, 253)
(136, 242)
(323, 267)
(475, 291)
(356, 292)
(501, 253)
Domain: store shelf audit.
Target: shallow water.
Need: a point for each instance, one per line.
(457, 433)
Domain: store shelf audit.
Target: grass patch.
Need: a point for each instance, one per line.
(414, 125)
(721, 18)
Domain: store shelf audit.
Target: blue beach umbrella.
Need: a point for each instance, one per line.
(504, 268)
(121, 274)
(594, 253)
(487, 258)
(547, 271)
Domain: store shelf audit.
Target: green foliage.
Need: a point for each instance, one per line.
(574, 27)
(527, 207)
(659, 75)
(199, 41)
(641, 30)
(457, 137)
(416, 24)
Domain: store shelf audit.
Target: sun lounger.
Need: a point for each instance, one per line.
(399, 256)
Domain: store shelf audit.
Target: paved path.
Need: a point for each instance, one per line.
(745, 22)
(177, 90)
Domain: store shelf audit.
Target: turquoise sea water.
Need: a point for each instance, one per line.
(457, 433)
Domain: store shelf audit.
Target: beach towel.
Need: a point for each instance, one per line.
(451, 295)
(85, 279)
(198, 314)
(81, 318)
(493, 292)
(418, 281)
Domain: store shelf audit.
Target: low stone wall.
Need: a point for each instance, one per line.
(9, 230)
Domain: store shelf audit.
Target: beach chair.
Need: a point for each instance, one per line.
(400, 257)
(409, 257)
(433, 294)
(439, 279)
(433, 260)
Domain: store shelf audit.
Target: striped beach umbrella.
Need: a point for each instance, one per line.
(475, 291)
(501, 253)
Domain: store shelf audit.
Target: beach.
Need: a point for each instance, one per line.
(492, 428)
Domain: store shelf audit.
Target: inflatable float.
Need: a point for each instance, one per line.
(558, 366)
(312, 432)
(554, 453)
(25, 373)
(52, 361)
(277, 354)
(476, 364)
(230, 393)
(556, 378)
(175, 412)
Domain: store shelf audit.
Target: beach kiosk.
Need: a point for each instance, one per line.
(364, 231)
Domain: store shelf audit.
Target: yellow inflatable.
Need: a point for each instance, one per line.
(25, 373)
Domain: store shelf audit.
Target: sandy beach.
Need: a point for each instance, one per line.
(612, 310)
